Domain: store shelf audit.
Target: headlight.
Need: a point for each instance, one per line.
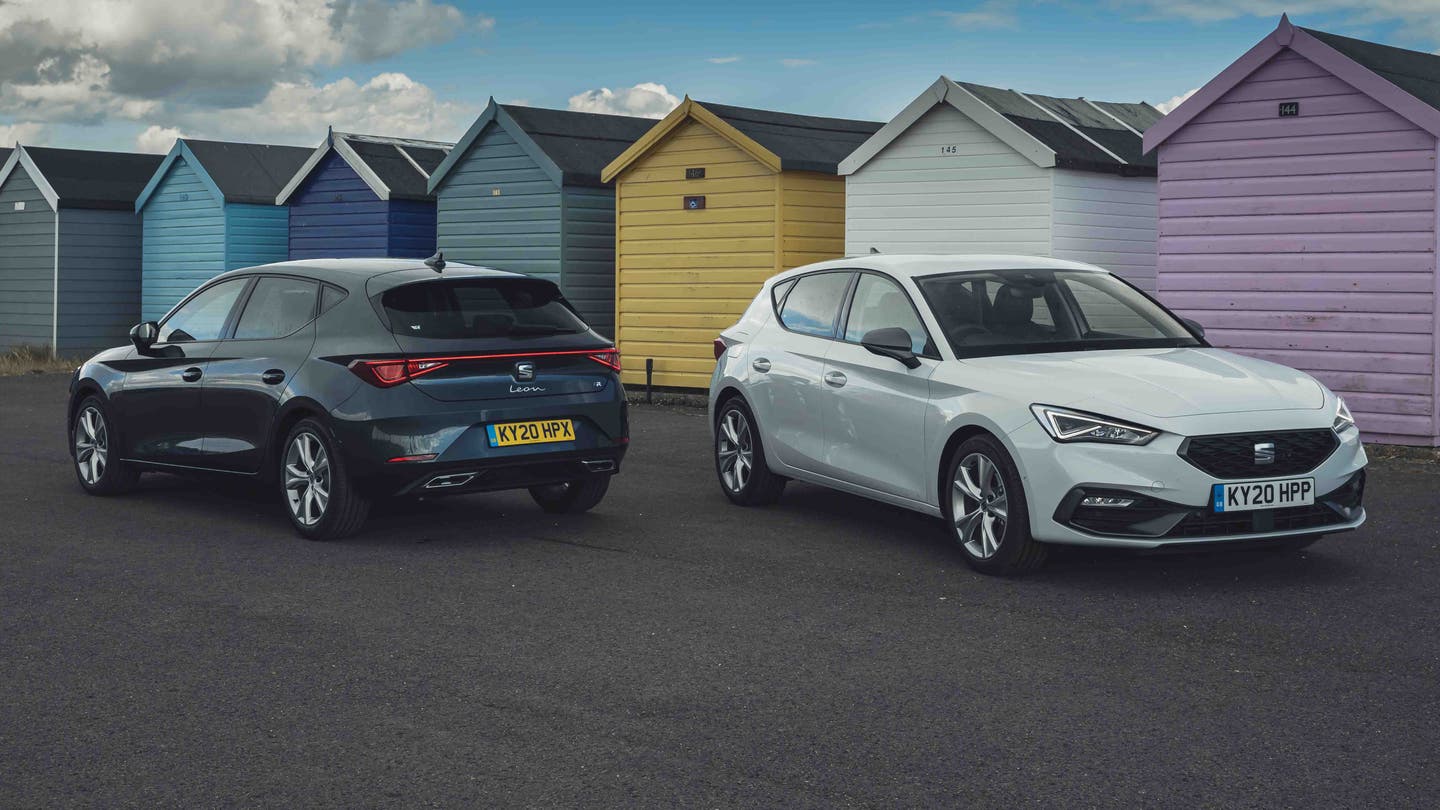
(1074, 426)
(1343, 420)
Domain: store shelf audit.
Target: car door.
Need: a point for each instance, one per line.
(159, 404)
(788, 360)
(874, 407)
(251, 369)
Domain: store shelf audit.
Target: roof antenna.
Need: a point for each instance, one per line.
(874, 250)
(436, 262)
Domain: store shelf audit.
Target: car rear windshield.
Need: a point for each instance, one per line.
(479, 308)
(1029, 311)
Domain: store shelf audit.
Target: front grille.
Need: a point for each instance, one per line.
(1232, 455)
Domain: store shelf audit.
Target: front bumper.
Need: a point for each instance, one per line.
(1173, 505)
(448, 441)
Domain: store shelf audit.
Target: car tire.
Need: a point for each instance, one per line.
(312, 474)
(986, 513)
(99, 470)
(571, 497)
(740, 464)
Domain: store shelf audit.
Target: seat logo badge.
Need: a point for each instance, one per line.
(1265, 453)
(524, 372)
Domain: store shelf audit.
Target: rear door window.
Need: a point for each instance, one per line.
(278, 307)
(479, 308)
(813, 305)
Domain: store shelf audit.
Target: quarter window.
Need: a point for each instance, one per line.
(879, 303)
(278, 307)
(203, 317)
(812, 306)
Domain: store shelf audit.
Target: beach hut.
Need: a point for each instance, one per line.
(364, 195)
(522, 191)
(1298, 219)
(208, 208)
(967, 168)
(712, 201)
(70, 247)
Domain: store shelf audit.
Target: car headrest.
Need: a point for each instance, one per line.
(1013, 306)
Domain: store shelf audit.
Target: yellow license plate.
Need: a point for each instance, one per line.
(541, 432)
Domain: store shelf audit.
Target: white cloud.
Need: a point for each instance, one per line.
(27, 132)
(1167, 106)
(299, 112)
(156, 139)
(82, 61)
(722, 60)
(644, 100)
(994, 14)
(795, 63)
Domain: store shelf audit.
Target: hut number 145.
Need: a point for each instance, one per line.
(949, 150)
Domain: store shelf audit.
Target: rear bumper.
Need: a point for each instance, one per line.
(377, 426)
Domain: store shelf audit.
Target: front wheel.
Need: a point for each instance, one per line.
(319, 498)
(571, 497)
(97, 466)
(986, 512)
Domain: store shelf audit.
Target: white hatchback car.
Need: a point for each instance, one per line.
(1026, 401)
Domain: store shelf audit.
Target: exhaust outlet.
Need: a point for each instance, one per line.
(449, 481)
(599, 465)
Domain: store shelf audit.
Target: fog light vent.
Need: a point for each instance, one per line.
(1105, 500)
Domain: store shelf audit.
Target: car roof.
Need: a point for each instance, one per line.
(915, 265)
(354, 273)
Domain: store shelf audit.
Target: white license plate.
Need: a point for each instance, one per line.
(1254, 495)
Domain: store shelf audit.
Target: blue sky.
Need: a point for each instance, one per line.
(127, 75)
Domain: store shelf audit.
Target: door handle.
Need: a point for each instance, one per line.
(190, 374)
(273, 377)
(761, 365)
(835, 379)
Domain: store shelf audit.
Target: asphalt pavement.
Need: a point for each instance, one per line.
(180, 646)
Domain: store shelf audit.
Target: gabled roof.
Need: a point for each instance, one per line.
(233, 172)
(1407, 82)
(781, 141)
(1072, 133)
(393, 168)
(83, 178)
(571, 147)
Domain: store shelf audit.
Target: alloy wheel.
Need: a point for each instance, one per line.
(735, 449)
(307, 479)
(978, 505)
(92, 445)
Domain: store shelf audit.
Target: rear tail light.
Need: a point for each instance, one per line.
(609, 358)
(720, 347)
(387, 373)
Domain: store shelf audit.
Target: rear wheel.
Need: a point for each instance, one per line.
(319, 498)
(571, 497)
(745, 477)
(986, 512)
(99, 470)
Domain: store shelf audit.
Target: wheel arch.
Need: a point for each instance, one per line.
(960, 431)
(294, 410)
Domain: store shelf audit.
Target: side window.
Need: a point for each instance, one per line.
(329, 297)
(203, 317)
(278, 307)
(813, 304)
(879, 303)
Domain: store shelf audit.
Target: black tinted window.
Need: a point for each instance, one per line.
(480, 308)
(811, 307)
(329, 297)
(203, 317)
(278, 307)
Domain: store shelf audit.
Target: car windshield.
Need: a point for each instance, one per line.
(1030, 311)
(480, 308)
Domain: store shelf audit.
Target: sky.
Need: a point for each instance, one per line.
(133, 75)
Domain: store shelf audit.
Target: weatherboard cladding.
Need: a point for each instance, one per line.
(183, 244)
(27, 263)
(99, 277)
(1310, 240)
(336, 214)
(498, 206)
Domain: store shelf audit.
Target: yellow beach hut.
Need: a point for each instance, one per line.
(709, 203)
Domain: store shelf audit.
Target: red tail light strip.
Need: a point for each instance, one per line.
(392, 372)
(403, 459)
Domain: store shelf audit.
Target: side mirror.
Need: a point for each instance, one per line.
(892, 342)
(1195, 326)
(143, 335)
